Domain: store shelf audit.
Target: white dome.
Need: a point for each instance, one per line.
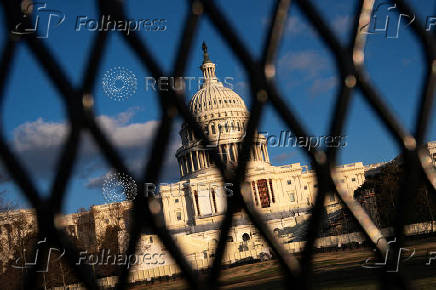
(214, 97)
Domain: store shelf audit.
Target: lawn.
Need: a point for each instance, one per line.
(340, 269)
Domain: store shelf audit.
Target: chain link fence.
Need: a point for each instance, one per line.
(78, 102)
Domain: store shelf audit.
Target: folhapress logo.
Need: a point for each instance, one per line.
(386, 20)
(44, 20)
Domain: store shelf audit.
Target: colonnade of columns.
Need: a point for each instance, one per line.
(196, 160)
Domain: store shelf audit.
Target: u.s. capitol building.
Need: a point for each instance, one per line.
(194, 207)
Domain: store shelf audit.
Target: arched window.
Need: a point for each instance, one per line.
(245, 237)
(212, 126)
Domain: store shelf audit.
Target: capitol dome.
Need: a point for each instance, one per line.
(223, 116)
(213, 96)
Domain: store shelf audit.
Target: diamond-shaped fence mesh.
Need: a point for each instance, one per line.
(78, 101)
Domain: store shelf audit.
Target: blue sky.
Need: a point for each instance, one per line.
(34, 118)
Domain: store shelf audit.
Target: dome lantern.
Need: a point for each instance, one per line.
(208, 67)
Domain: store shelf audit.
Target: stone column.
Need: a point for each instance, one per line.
(194, 203)
(185, 159)
(200, 156)
(269, 191)
(260, 152)
(220, 152)
(206, 155)
(257, 194)
(256, 152)
(253, 194)
(203, 159)
(181, 166)
(227, 152)
(192, 162)
(198, 160)
(235, 151)
(265, 148)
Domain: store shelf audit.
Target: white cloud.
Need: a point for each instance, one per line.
(322, 85)
(296, 26)
(342, 24)
(39, 143)
(308, 62)
(284, 157)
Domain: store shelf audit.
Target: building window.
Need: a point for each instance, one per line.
(305, 187)
(353, 179)
(262, 187)
(151, 239)
(292, 197)
(214, 201)
(196, 202)
(289, 182)
(177, 200)
(245, 237)
(179, 215)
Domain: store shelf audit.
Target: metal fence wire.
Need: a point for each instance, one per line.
(78, 103)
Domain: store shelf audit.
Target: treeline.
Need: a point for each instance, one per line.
(57, 272)
(379, 196)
